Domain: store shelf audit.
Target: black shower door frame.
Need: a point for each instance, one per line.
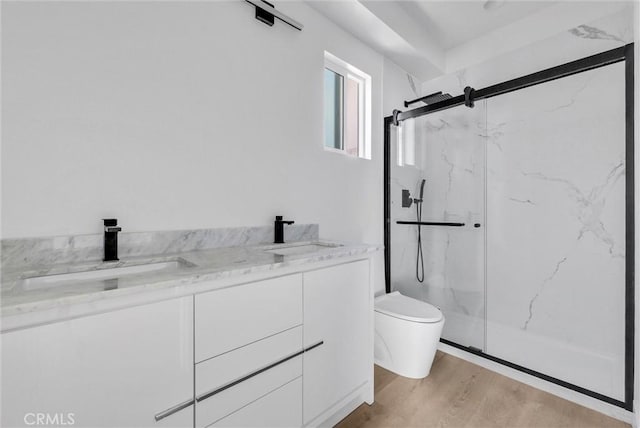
(623, 53)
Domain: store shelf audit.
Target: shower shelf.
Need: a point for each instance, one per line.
(431, 223)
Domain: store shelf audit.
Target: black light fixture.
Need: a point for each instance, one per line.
(264, 16)
(266, 12)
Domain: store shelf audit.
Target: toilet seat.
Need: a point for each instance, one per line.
(406, 308)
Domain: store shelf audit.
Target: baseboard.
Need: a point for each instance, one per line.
(342, 408)
(557, 390)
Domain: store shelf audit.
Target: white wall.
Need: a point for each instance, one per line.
(399, 86)
(177, 116)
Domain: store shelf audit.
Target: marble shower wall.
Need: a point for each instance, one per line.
(546, 165)
(452, 163)
(403, 238)
(556, 228)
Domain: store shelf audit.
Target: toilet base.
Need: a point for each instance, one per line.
(407, 375)
(404, 347)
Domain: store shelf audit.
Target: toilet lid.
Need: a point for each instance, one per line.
(407, 308)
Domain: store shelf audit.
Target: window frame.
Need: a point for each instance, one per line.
(349, 72)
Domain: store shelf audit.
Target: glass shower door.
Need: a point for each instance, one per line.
(448, 152)
(556, 229)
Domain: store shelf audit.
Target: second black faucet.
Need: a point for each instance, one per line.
(111, 230)
(279, 229)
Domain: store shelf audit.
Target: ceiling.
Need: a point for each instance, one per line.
(452, 23)
(429, 37)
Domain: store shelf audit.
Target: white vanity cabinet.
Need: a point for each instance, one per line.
(116, 369)
(287, 351)
(337, 312)
(248, 350)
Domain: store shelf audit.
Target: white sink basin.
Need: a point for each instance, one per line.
(46, 281)
(301, 249)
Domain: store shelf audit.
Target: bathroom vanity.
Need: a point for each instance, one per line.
(284, 341)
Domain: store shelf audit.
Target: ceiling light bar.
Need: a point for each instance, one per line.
(266, 13)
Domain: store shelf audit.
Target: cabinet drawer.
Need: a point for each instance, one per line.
(281, 408)
(230, 381)
(226, 368)
(233, 317)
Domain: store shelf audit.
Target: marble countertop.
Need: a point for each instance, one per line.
(18, 298)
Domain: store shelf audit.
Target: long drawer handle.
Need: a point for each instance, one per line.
(255, 373)
(170, 411)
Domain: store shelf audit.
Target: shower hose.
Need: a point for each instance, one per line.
(419, 256)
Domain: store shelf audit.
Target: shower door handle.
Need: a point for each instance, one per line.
(431, 223)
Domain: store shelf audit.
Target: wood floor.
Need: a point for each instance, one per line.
(460, 394)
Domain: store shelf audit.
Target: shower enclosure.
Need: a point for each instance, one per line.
(531, 259)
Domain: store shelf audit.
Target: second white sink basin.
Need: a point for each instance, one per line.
(301, 249)
(46, 281)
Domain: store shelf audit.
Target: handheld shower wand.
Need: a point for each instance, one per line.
(418, 200)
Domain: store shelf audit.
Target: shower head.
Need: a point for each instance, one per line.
(419, 200)
(436, 98)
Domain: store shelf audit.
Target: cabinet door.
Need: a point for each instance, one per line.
(337, 311)
(120, 368)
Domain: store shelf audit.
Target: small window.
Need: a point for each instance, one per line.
(347, 110)
(406, 142)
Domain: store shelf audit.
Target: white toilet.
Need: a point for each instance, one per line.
(407, 332)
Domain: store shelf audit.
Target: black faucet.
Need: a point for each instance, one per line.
(279, 229)
(111, 230)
